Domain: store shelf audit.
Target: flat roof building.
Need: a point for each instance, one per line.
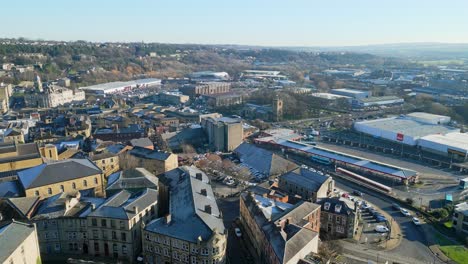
(356, 94)
(116, 87)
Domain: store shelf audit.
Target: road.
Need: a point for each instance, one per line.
(414, 243)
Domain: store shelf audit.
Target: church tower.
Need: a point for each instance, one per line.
(277, 109)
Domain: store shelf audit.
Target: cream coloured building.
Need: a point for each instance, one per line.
(19, 244)
(53, 96)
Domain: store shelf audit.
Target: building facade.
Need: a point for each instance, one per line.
(206, 88)
(460, 219)
(224, 134)
(19, 244)
(190, 228)
(53, 96)
(338, 218)
(307, 184)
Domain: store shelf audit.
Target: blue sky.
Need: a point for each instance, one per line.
(256, 22)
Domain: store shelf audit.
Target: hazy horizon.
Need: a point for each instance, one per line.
(298, 23)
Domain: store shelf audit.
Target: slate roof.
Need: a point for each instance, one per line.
(59, 171)
(131, 179)
(141, 142)
(263, 161)
(122, 204)
(21, 151)
(336, 206)
(24, 204)
(189, 219)
(304, 177)
(12, 236)
(149, 154)
(10, 189)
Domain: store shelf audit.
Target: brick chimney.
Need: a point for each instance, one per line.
(208, 209)
(203, 192)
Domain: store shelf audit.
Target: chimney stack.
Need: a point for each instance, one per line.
(208, 209)
(168, 218)
(203, 192)
(135, 209)
(198, 176)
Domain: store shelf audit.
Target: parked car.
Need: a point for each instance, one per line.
(381, 218)
(357, 193)
(396, 206)
(405, 212)
(381, 229)
(238, 232)
(345, 195)
(365, 206)
(416, 221)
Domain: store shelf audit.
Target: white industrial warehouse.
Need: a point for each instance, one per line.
(116, 87)
(427, 131)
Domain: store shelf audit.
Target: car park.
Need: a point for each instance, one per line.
(357, 193)
(405, 212)
(381, 229)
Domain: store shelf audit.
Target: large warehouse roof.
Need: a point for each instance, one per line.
(116, 85)
(350, 159)
(408, 126)
(452, 140)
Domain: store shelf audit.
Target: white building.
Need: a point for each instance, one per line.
(356, 94)
(53, 96)
(448, 144)
(117, 87)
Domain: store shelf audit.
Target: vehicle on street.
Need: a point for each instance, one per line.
(381, 218)
(381, 229)
(396, 206)
(405, 212)
(357, 193)
(416, 221)
(238, 232)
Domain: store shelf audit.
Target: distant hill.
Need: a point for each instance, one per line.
(407, 50)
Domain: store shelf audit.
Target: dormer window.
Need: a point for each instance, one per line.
(326, 206)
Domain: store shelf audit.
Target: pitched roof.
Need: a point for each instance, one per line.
(335, 206)
(122, 205)
(131, 179)
(12, 236)
(141, 142)
(149, 154)
(189, 219)
(59, 171)
(24, 204)
(263, 161)
(304, 177)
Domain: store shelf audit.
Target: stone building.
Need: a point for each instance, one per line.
(280, 232)
(52, 178)
(307, 184)
(114, 228)
(190, 228)
(108, 162)
(17, 157)
(339, 218)
(19, 244)
(224, 134)
(53, 96)
(205, 88)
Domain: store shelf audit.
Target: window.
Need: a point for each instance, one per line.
(114, 235)
(95, 234)
(166, 252)
(104, 234)
(85, 183)
(94, 222)
(115, 248)
(57, 247)
(123, 236)
(122, 225)
(194, 260)
(340, 229)
(95, 180)
(36, 193)
(175, 255)
(215, 250)
(185, 246)
(70, 246)
(204, 261)
(124, 249)
(49, 190)
(96, 247)
(330, 217)
(194, 250)
(338, 219)
(112, 223)
(157, 250)
(74, 186)
(85, 236)
(103, 223)
(204, 251)
(112, 159)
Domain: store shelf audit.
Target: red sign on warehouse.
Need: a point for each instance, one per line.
(400, 136)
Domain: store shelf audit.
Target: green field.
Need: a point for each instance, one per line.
(458, 253)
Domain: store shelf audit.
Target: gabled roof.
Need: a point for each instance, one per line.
(189, 219)
(55, 172)
(263, 161)
(304, 177)
(141, 142)
(149, 154)
(12, 236)
(131, 179)
(24, 204)
(335, 206)
(123, 204)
